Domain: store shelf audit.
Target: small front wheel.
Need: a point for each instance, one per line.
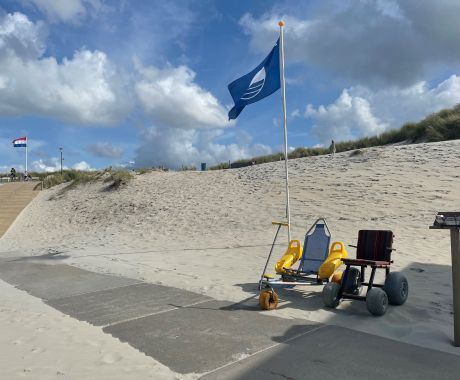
(268, 300)
(331, 294)
(377, 301)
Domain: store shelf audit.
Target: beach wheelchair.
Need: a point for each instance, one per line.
(315, 266)
(373, 250)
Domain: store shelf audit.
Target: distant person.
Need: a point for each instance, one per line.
(13, 174)
(332, 149)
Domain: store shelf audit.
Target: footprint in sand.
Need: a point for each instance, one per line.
(111, 358)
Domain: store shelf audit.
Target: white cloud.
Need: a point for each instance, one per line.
(61, 10)
(53, 164)
(172, 99)
(83, 166)
(49, 165)
(187, 120)
(359, 111)
(398, 106)
(67, 10)
(367, 42)
(175, 147)
(348, 117)
(83, 89)
(295, 113)
(106, 150)
(265, 30)
(21, 37)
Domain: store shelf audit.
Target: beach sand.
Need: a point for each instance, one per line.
(210, 232)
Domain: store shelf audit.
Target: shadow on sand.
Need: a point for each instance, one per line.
(338, 350)
(429, 304)
(50, 257)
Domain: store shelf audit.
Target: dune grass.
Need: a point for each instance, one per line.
(439, 126)
(116, 178)
(74, 178)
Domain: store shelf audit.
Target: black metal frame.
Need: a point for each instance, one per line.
(370, 284)
(363, 264)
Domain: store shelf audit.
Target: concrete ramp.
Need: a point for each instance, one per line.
(14, 197)
(202, 337)
(56, 281)
(332, 353)
(192, 333)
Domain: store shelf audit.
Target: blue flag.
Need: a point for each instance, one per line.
(264, 80)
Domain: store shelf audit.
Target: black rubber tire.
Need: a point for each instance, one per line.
(331, 295)
(268, 300)
(377, 301)
(353, 285)
(397, 288)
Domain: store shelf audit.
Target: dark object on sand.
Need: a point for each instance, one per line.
(357, 152)
(374, 250)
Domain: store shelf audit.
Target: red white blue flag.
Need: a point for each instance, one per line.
(20, 142)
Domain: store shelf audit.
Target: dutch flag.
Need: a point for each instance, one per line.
(20, 142)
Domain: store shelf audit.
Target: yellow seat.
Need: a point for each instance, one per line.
(333, 261)
(290, 257)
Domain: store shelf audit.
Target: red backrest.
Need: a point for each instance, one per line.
(374, 245)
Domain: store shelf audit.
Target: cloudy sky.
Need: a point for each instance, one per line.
(114, 82)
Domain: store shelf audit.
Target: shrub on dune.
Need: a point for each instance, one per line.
(118, 178)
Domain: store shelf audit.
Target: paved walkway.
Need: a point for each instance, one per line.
(14, 197)
(189, 332)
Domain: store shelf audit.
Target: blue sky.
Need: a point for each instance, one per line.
(114, 82)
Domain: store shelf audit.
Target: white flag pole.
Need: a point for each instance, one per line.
(283, 98)
(27, 143)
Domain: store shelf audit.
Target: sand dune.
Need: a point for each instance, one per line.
(210, 232)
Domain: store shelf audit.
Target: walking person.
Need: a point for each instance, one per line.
(13, 174)
(332, 149)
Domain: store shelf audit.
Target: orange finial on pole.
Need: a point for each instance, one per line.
(281, 23)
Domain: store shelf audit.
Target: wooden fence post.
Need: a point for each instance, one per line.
(451, 221)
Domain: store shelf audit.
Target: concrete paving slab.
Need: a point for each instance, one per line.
(128, 302)
(57, 281)
(333, 353)
(206, 336)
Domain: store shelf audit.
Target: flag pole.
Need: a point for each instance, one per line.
(27, 143)
(283, 99)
